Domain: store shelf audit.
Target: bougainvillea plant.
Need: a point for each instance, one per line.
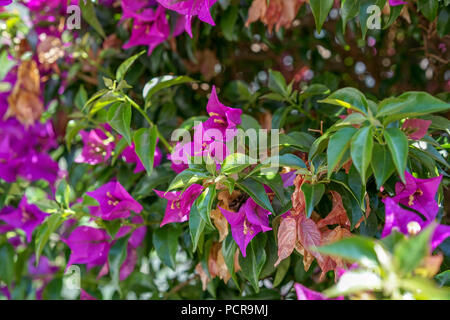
(224, 149)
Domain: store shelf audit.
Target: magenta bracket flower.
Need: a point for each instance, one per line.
(134, 242)
(26, 217)
(409, 223)
(222, 118)
(115, 202)
(5, 2)
(394, 3)
(247, 223)
(97, 147)
(179, 203)
(190, 9)
(303, 293)
(88, 246)
(419, 194)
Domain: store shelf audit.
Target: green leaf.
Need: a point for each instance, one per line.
(157, 84)
(254, 261)
(354, 249)
(145, 145)
(298, 140)
(393, 15)
(410, 252)
(112, 226)
(116, 256)
(165, 240)
(361, 150)
(229, 247)
(204, 204)
(80, 98)
(88, 13)
(119, 117)
(349, 98)
(443, 23)
(49, 226)
(320, 10)
(337, 147)
(313, 193)
(63, 193)
(257, 192)
(349, 10)
(429, 8)
(235, 163)
(410, 104)
(286, 160)
(282, 270)
(7, 263)
(228, 22)
(382, 164)
(277, 83)
(187, 177)
(196, 226)
(6, 63)
(124, 66)
(397, 143)
(443, 278)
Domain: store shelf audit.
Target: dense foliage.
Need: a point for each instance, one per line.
(196, 149)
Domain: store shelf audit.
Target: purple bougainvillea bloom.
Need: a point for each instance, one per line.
(5, 2)
(394, 3)
(5, 291)
(419, 194)
(26, 217)
(303, 293)
(88, 246)
(190, 9)
(416, 129)
(400, 219)
(247, 223)
(130, 156)
(409, 223)
(288, 178)
(97, 147)
(44, 272)
(115, 202)
(179, 203)
(150, 25)
(222, 118)
(135, 241)
(86, 296)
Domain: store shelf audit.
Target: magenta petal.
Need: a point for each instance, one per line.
(441, 233)
(303, 293)
(397, 217)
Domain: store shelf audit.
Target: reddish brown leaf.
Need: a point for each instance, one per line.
(287, 237)
(24, 101)
(338, 215)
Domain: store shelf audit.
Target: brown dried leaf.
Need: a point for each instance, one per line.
(287, 237)
(309, 237)
(24, 101)
(203, 276)
(257, 11)
(216, 263)
(221, 223)
(298, 198)
(280, 13)
(337, 215)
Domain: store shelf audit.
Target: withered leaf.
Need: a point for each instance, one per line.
(287, 237)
